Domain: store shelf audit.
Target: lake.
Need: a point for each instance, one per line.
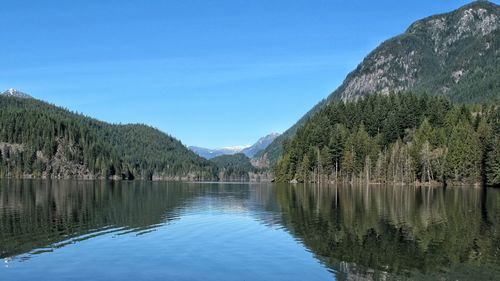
(96, 230)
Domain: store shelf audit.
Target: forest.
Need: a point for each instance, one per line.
(238, 168)
(234, 167)
(39, 140)
(401, 138)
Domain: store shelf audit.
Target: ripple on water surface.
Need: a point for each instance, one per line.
(62, 230)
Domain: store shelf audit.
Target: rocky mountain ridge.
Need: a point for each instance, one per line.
(249, 150)
(455, 54)
(439, 55)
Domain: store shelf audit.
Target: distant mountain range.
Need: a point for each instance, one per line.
(208, 153)
(456, 55)
(249, 150)
(260, 145)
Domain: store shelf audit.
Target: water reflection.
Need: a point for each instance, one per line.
(357, 233)
(42, 215)
(37, 214)
(384, 233)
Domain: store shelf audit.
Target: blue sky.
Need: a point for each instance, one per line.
(210, 73)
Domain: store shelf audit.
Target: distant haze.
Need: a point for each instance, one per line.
(249, 150)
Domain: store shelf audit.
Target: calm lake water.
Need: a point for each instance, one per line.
(67, 230)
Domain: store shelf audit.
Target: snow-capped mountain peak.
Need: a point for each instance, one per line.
(248, 150)
(15, 93)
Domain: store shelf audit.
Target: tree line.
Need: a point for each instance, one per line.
(235, 167)
(398, 138)
(41, 140)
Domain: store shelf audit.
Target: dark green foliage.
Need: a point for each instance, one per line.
(492, 151)
(452, 55)
(462, 161)
(395, 138)
(275, 149)
(493, 163)
(234, 167)
(41, 140)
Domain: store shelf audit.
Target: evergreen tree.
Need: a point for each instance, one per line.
(464, 154)
(493, 163)
(42, 140)
(396, 138)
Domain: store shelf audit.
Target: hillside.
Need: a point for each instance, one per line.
(237, 167)
(398, 138)
(39, 140)
(455, 55)
(268, 157)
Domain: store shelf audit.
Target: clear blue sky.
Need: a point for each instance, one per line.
(210, 73)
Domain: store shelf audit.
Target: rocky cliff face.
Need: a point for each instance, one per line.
(456, 54)
(260, 145)
(56, 167)
(443, 54)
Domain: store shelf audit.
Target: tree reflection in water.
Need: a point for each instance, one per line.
(386, 232)
(358, 232)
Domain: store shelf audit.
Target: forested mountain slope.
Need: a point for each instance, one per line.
(41, 140)
(268, 157)
(397, 138)
(236, 167)
(456, 55)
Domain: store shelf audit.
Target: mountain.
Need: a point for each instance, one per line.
(456, 55)
(15, 93)
(208, 153)
(249, 150)
(238, 167)
(260, 145)
(269, 156)
(402, 138)
(40, 140)
(234, 167)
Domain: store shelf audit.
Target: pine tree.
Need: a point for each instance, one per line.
(493, 163)
(485, 135)
(304, 172)
(464, 154)
(326, 161)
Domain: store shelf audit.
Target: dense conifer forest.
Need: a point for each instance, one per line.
(397, 138)
(234, 167)
(39, 140)
(238, 167)
(455, 55)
